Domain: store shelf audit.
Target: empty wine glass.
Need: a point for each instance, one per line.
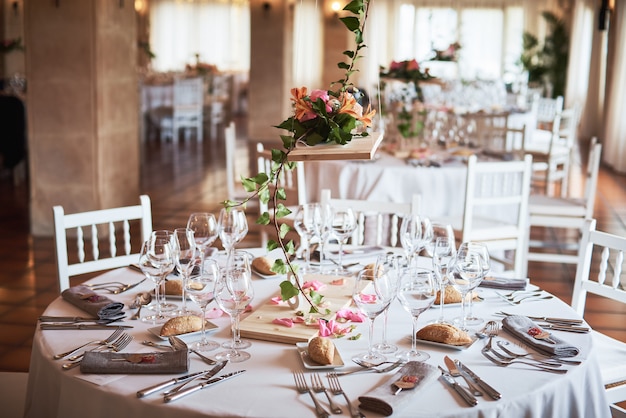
(343, 223)
(465, 273)
(156, 261)
(233, 294)
(443, 252)
(482, 251)
(415, 233)
(200, 287)
(392, 265)
(307, 222)
(372, 297)
(233, 227)
(416, 294)
(205, 231)
(324, 231)
(240, 260)
(165, 306)
(185, 255)
(439, 230)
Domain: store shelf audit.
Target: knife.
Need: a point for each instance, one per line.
(494, 394)
(468, 397)
(150, 390)
(454, 372)
(215, 370)
(76, 319)
(79, 326)
(184, 392)
(567, 328)
(551, 319)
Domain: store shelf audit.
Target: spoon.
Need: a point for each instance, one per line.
(141, 299)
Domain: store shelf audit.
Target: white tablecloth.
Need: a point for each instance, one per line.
(267, 388)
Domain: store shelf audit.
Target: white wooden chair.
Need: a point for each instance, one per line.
(563, 213)
(599, 272)
(187, 109)
(496, 210)
(234, 167)
(547, 109)
(378, 223)
(102, 221)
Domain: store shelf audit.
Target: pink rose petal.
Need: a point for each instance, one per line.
(287, 322)
(214, 313)
(314, 284)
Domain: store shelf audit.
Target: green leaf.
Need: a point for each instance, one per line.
(284, 229)
(316, 297)
(264, 219)
(349, 53)
(343, 66)
(281, 194)
(288, 290)
(248, 184)
(281, 211)
(290, 247)
(351, 22)
(355, 6)
(260, 178)
(271, 245)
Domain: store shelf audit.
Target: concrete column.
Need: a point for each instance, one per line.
(82, 106)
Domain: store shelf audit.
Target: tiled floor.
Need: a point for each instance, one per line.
(191, 178)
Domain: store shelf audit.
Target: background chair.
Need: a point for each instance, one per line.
(187, 109)
(603, 254)
(378, 223)
(217, 101)
(496, 210)
(105, 221)
(234, 171)
(563, 213)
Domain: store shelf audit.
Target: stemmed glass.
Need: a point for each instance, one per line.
(200, 286)
(156, 261)
(307, 222)
(205, 230)
(465, 274)
(233, 227)
(416, 294)
(233, 293)
(185, 253)
(239, 260)
(323, 232)
(392, 265)
(170, 308)
(443, 252)
(343, 223)
(372, 297)
(415, 233)
(482, 251)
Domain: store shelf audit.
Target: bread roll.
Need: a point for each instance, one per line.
(322, 350)
(369, 271)
(263, 265)
(181, 325)
(452, 295)
(174, 287)
(444, 333)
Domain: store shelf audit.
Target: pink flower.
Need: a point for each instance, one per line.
(321, 94)
(368, 298)
(395, 65)
(315, 285)
(287, 322)
(326, 328)
(277, 300)
(412, 65)
(214, 313)
(350, 315)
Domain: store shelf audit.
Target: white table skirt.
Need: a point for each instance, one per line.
(267, 388)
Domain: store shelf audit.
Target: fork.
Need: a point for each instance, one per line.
(302, 387)
(491, 329)
(508, 363)
(111, 338)
(336, 389)
(373, 369)
(116, 346)
(318, 387)
(502, 345)
(506, 358)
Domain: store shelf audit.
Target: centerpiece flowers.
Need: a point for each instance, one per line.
(330, 116)
(448, 54)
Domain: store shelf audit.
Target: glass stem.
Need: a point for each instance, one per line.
(385, 318)
(203, 340)
(470, 314)
(442, 293)
(371, 343)
(321, 256)
(340, 254)
(235, 331)
(184, 278)
(464, 316)
(307, 255)
(414, 336)
(157, 294)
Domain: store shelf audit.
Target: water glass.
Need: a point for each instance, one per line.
(200, 286)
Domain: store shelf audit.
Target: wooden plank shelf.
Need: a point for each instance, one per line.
(360, 148)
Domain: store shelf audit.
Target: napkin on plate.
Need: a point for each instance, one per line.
(519, 326)
(135, 363)
(382, 399)
(503, 283)
(89, 301)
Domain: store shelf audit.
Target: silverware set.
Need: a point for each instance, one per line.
(119, 344)
(556, 324)
(519, 296)
(317, 386)
(115, 287)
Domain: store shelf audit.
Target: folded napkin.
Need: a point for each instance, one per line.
(503, 283)
(519, 326)
(382, 399)
(89, 301)
(135, 363)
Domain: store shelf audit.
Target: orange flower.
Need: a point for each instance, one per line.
(349, 105)
(303, 109)
(367, 118)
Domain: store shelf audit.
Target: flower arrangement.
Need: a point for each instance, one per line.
(321, 116)
(448, 54)
(9, 45)
(406, 71)
(201, 68)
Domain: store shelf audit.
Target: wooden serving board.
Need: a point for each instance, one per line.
(360, 148)
(258, 325)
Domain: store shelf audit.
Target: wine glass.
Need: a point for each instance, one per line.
(391, 264)
(415, 233)
(372, 297)
(343, 223)
(240, 260)
(416, 294)
(200, 286)
(307, 222)
(165, 306)
(439, 230)
(232, 228)
(465, 273)
(156, 261)
(185, 254)
(323, 232)
(233, 293)
(482, 251)
(205, 231)
(443, 252)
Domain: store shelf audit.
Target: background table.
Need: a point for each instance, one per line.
(267, 388)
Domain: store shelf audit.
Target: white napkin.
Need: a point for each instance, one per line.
(382, 399)
(519, 325)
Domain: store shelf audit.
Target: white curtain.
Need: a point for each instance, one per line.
(580, 54)
(216, 32)
(614, 149)
(307, 44)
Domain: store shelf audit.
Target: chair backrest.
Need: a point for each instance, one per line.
(568, 126)
(603, 254)
(496, 206)
(548, 108)
(232, 175)
(85, 224)
(380, 220)
(591, 180)
(188, 93)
